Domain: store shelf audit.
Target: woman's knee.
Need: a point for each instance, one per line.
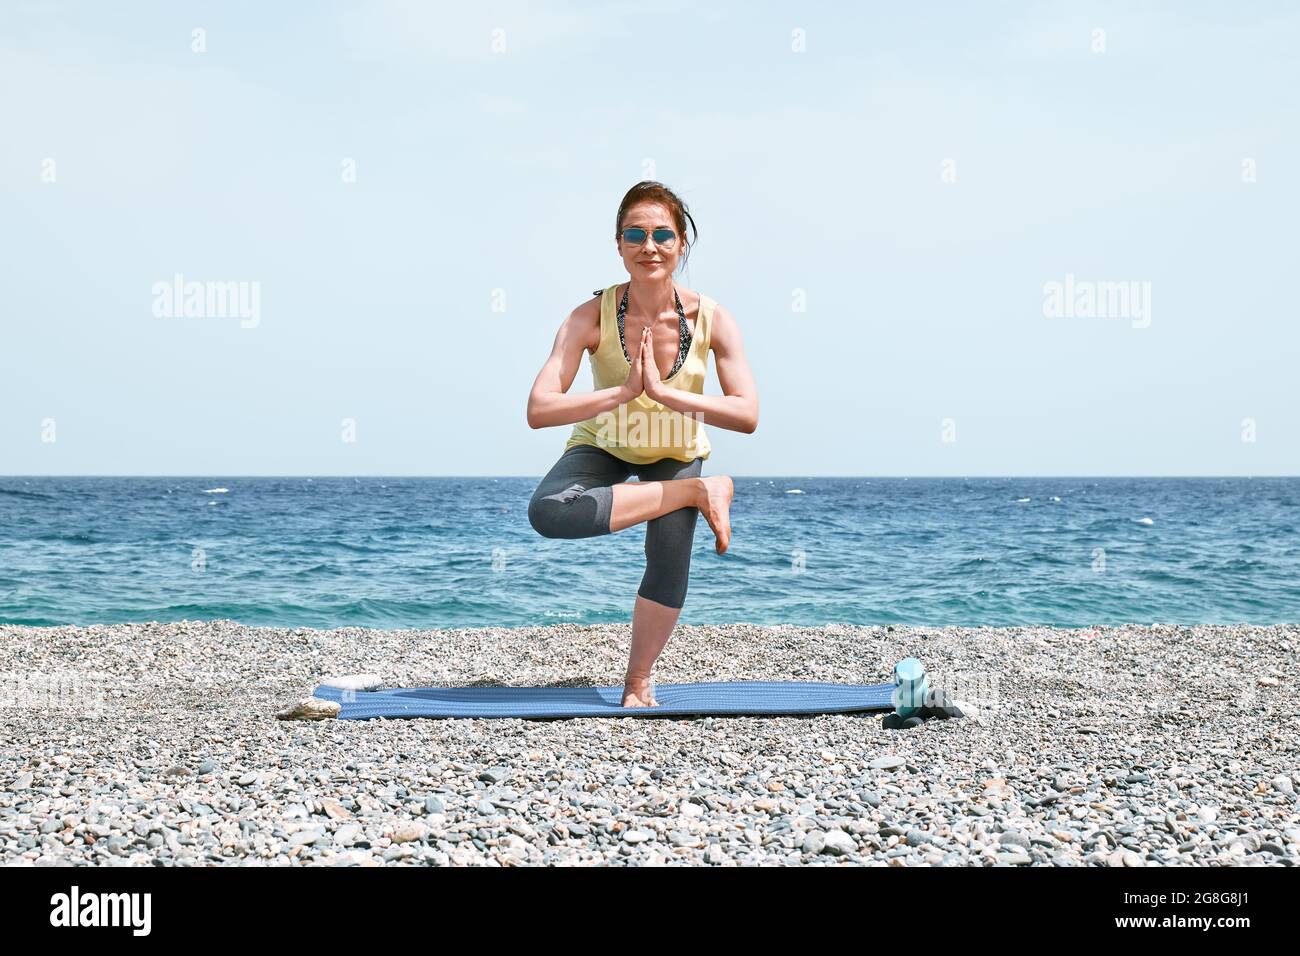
(574, 512)
(549, 517)
(541, 517)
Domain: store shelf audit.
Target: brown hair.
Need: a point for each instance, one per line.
(650, 191)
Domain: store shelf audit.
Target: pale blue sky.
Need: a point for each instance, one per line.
(817, 170)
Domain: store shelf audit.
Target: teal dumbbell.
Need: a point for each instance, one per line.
(911, 687)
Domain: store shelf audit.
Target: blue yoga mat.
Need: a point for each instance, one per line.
(730, 697)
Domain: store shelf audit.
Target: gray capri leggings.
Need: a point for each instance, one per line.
(576, 498)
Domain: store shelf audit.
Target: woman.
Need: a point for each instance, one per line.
(648, 341)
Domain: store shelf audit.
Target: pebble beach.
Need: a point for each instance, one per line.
(1137, 745)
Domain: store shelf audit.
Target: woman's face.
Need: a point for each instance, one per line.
(649, 260)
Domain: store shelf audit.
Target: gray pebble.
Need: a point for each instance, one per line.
(840, 843)
(304, 837)
(814, 842)
(347, 834)
(887, 763)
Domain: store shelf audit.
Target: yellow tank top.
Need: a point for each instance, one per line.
(642, 431)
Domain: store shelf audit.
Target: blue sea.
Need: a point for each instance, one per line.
(447, 552)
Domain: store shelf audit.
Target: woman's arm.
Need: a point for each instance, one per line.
(737, 408)
(547, 402)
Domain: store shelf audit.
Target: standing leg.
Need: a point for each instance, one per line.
(668, 541)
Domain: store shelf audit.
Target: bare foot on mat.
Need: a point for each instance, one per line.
(638, 693)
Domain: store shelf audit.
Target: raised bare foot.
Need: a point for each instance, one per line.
(715, 505)
(638, 692)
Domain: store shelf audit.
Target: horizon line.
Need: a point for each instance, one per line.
(734, 476)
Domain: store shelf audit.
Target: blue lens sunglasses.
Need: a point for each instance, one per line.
(636, 236)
